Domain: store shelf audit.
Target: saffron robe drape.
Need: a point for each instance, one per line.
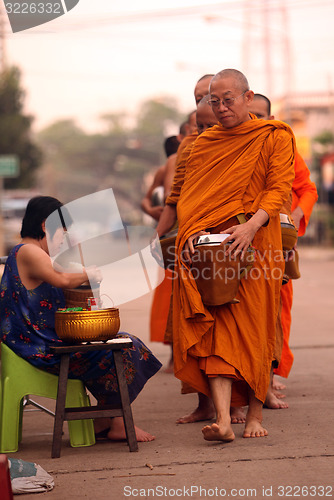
(180, 171)
(160, 307)
(162, 294)
(232, 171)
(304, 195)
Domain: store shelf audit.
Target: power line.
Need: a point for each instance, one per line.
(207, 10)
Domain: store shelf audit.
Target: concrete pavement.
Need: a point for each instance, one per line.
(298, 453)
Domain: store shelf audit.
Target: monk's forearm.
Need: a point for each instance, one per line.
(167, 220)
(258, 219)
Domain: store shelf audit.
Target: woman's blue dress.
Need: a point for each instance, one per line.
(27, 326)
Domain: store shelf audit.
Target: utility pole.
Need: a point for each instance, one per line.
(267, 48)
(266, 44)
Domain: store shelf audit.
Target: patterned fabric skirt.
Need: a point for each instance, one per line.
(97, 370)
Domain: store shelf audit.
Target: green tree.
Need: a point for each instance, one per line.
(79, 163)
(15, 130)
(154, 117)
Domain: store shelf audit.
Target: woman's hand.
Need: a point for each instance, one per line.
(188, 248)
(94, 274)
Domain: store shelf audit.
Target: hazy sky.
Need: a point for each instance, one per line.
(108, 56)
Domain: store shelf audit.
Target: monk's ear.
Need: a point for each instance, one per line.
(271, 117)
(249, 96)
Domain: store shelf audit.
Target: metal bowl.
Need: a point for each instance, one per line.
(87, 326)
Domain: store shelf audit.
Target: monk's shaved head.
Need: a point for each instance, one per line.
(261, 97)
(205, 117)
(204, 77)
(230, 97)
(237, 76)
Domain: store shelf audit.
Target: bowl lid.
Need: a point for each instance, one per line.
(212, 239)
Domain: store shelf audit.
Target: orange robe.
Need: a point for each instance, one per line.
(180, 171)
(188, 139)
(160, 307)
(232, 171)
(304, 195)
(161, 298)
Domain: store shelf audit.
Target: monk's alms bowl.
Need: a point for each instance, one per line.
(77, 297)
(87, 326)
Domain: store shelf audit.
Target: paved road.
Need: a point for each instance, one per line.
(299, 451)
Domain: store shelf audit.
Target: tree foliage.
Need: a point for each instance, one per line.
(15, 130)
(82, 163)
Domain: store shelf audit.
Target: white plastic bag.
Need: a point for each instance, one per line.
(28, 477)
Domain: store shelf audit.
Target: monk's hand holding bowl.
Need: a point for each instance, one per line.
(188, 248)
(290, 255)
(243, 234)
(297, 216)
(241, 237)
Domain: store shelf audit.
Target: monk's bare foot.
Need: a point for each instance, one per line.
(277, 385)
(206, 413)
(170, 367)
(278, 394)
(273, 402)
(238, 415)
(117, 431)
(217, 432)
(253, 428)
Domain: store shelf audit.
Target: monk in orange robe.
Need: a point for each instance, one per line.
(304, 196)
(176, 176)
(161, 297)
(242, 166)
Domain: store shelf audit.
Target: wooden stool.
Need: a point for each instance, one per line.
(98, 411)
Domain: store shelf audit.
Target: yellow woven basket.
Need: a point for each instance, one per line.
(87, 326)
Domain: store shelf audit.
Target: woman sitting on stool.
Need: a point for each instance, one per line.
(31, 291)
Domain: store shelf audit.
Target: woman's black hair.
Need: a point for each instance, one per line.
(38, 210)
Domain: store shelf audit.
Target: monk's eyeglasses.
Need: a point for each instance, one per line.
(228, 102)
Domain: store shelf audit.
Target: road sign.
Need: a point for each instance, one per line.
(9, 166)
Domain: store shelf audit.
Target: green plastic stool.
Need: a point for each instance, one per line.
(18, 379)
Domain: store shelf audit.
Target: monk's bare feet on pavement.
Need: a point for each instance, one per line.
(238, 415)
(197, 416)
(273, 402)
(278, 394)
(204, 411)
(253, 428)
(218, 432)
(277, 385)
(170, 367)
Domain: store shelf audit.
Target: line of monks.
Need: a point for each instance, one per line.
(237, 172)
